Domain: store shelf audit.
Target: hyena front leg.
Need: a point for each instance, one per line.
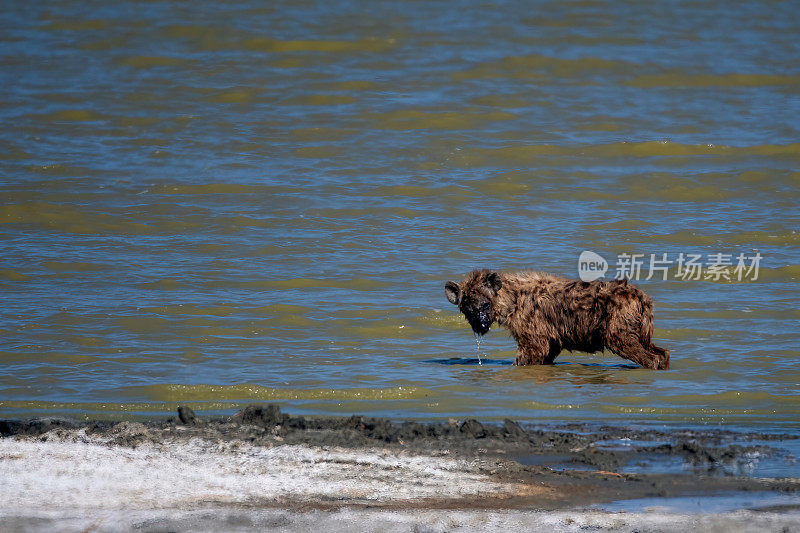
(533, 351)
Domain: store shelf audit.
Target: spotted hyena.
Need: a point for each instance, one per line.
(546, 314)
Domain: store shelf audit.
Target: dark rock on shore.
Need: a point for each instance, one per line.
(36, 426)
(258, 415)
(474, 428)
(513, 431)
(187, 416)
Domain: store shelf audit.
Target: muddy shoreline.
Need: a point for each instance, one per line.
(547, 469)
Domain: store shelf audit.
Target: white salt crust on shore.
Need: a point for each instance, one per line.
(83, 483)
(88, 474)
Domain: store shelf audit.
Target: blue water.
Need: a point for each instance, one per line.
(214, 203)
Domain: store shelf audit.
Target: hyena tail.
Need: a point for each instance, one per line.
(660, 355)
(646, 325)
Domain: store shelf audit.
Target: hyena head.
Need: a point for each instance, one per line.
(474, 297)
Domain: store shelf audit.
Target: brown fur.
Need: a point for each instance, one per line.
(546, 314)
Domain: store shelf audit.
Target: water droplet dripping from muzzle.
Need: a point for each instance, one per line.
(478, 339)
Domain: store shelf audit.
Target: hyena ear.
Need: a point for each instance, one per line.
(453, 292)
(493, 279)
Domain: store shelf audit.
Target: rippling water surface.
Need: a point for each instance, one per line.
(213, 203)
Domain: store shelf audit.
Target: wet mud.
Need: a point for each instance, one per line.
(549, 467)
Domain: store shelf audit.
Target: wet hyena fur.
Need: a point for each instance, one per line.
(546, 314)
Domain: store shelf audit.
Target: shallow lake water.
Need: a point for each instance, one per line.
(215, 203)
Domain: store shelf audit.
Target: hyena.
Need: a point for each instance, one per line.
(546, 314)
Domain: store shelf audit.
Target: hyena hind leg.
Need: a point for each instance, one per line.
(629, 347)
(661, 356)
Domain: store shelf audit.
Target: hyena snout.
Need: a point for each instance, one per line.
(480, 318)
